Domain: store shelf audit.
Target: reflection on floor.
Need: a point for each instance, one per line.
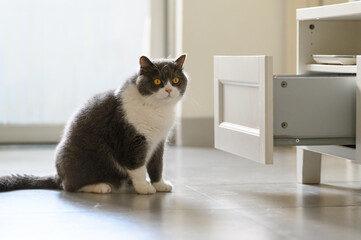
(216, 196)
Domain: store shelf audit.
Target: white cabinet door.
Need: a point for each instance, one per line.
(244, 106)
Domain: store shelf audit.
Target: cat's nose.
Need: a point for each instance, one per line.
(168, 90)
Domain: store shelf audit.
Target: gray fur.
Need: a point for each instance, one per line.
(164, 70)
(15, 182)
(98, 141)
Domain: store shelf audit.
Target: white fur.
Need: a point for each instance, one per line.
(96, 188)
(163, 186)
(153, 115)
(140, 183)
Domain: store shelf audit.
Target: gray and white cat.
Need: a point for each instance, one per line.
(117, 135)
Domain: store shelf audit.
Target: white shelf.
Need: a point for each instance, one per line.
(332, 68)
(345, 11)
(337, 151)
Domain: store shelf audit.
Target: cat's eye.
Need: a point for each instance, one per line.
(176, 80)
(157, 81)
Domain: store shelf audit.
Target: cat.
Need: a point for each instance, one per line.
(117, 136)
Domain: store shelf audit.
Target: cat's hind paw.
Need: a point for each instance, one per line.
(163, 186)
(96, 188)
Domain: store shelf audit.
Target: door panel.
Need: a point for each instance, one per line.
(244, 106)
(242, 95)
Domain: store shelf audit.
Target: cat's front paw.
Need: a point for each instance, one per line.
(163, 186)
(144, 188)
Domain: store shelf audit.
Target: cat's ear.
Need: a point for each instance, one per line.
(180, 60)
(144, 62)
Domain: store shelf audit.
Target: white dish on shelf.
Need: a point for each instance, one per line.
(335, 59)
(332, 68)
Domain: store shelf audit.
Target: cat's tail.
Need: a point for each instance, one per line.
(16, 182)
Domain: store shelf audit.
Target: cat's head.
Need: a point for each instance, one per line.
(163, 80)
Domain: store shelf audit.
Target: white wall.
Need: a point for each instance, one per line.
(227, 27)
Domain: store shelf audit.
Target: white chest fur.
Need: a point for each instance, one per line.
(154, 122)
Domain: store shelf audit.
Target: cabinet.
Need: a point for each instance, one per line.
(318, 109)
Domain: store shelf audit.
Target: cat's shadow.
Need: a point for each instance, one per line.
(125, 201)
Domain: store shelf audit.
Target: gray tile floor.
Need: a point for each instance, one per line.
(216, 196)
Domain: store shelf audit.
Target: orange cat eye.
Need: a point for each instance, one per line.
(157, 81)
(176, 80)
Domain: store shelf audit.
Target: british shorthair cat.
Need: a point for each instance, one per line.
(117, 136)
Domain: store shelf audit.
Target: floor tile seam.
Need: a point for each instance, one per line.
(254, 182)
(340, 182)
(263, 224)
(272, 208)
(239, 184)
(194, 190)
(271, 229)
(295, 207)
(199, 192)
(268, 183)
(130, 211)
(334, 206)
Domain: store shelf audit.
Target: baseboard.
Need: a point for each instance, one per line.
(15, 134)
(197, 132)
